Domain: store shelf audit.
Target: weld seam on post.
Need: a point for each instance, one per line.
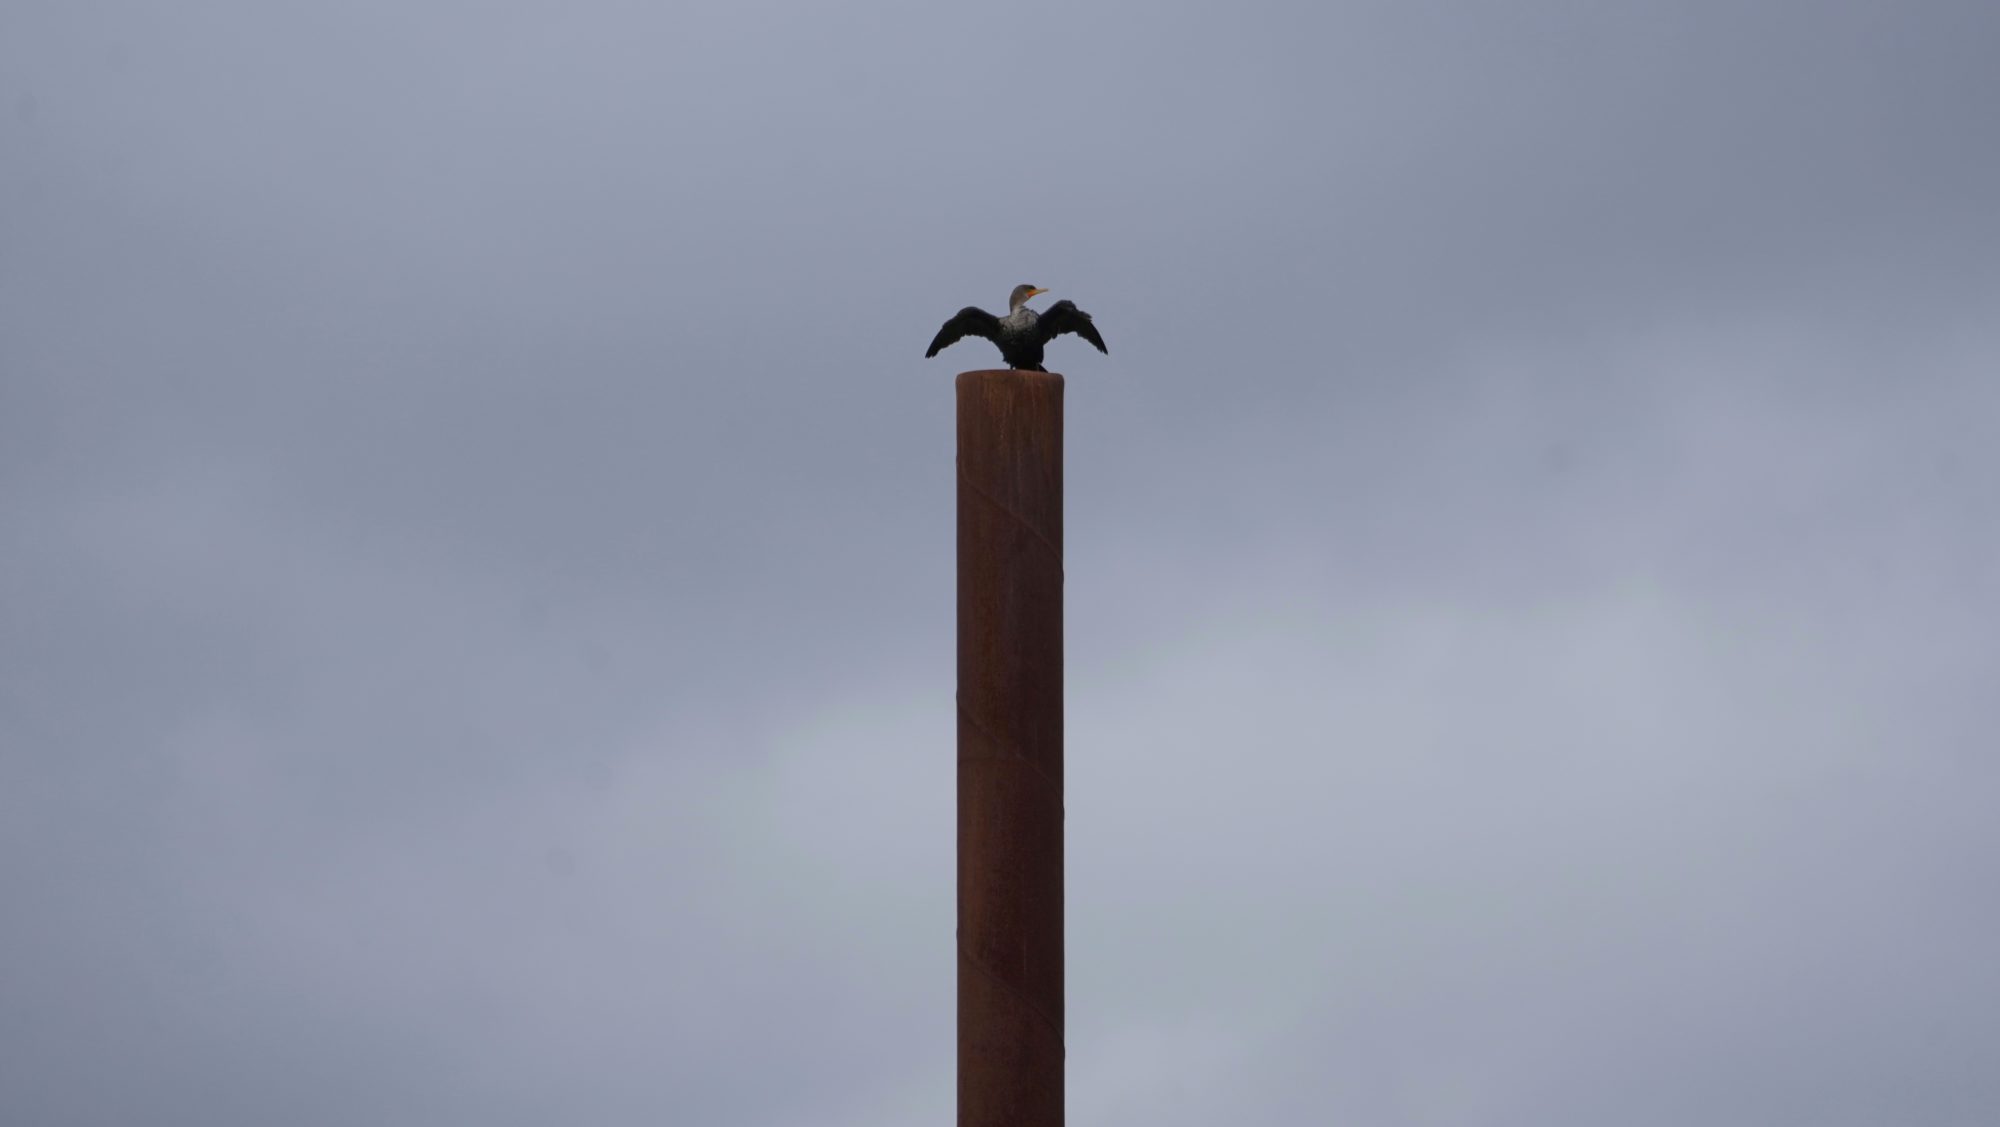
(1012, 760)
(1016, 991)
(1016, 517)
(1007, 747)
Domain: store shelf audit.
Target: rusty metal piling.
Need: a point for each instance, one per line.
(1010, 749)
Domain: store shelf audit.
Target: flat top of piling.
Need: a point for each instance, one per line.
(1018, 373)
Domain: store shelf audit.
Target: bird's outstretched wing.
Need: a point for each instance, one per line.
(1065, 317)
(971, 321)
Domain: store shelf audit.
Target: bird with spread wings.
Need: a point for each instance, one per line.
(1022, 333)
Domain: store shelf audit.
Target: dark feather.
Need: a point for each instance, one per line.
(971, 321)
(1065, 317)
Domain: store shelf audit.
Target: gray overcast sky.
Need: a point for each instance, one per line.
(476, 557)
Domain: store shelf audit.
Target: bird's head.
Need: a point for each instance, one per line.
(1021, 295)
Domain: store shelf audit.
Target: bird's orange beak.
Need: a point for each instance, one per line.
(1032, 293)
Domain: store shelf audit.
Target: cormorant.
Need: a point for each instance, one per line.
(1022, 332)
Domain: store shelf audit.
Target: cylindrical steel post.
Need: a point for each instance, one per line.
(1010, 750)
